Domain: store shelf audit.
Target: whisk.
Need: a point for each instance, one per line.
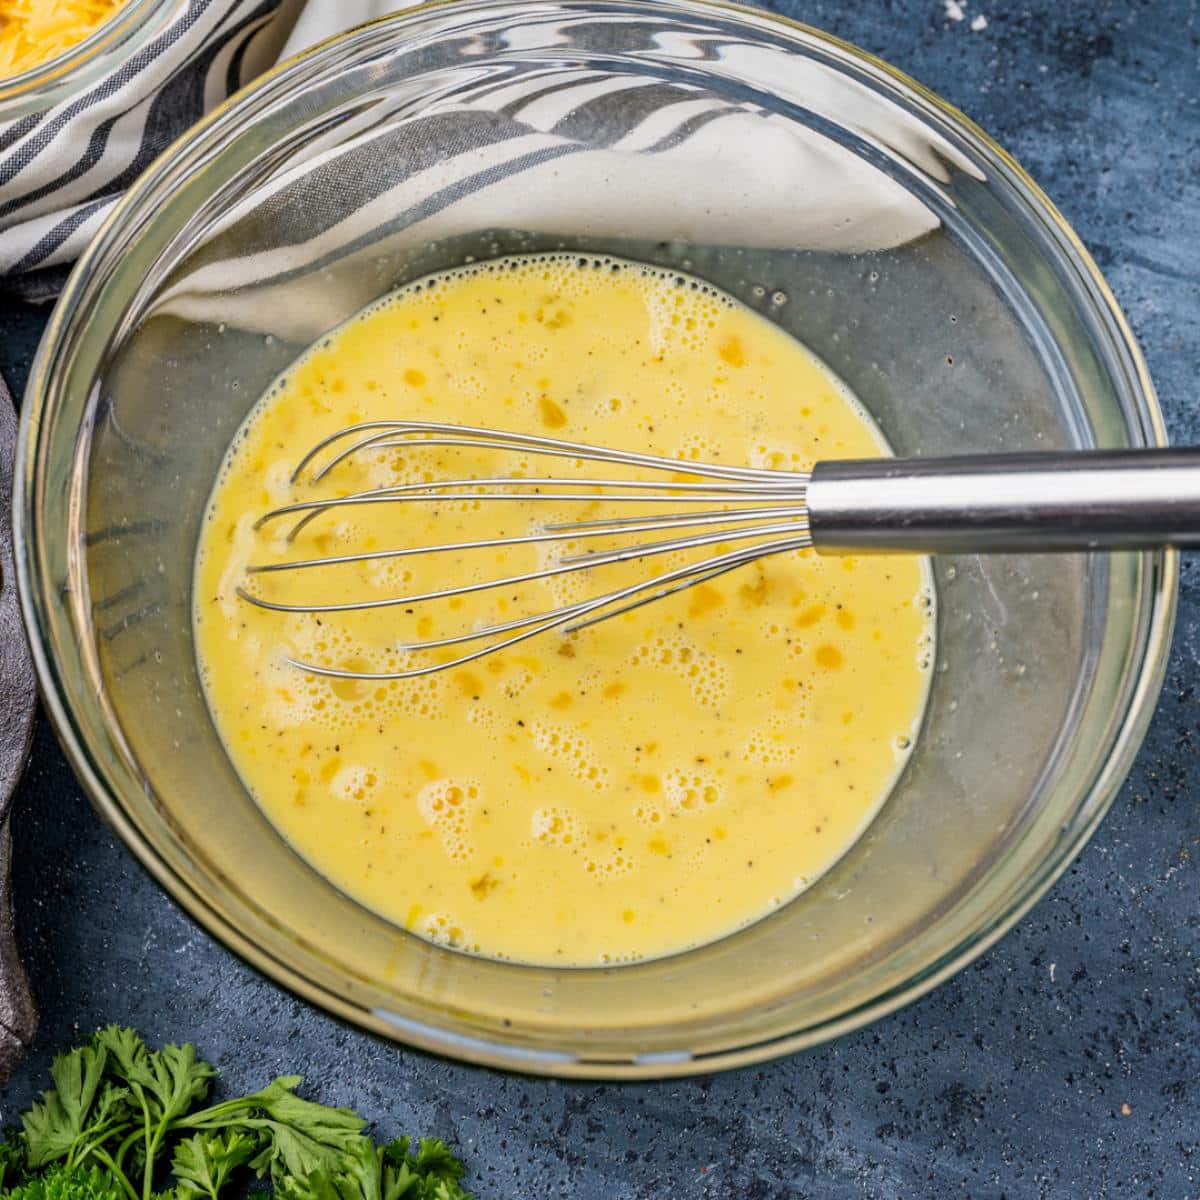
(1072, 501)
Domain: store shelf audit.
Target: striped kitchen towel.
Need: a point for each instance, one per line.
(63, 168)
(530, 154)
(546, 157)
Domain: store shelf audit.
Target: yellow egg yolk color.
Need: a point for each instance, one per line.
(642, 786)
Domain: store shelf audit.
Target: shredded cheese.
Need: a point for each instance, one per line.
(34, 31)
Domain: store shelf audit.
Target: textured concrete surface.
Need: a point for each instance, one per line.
(1065, 1063)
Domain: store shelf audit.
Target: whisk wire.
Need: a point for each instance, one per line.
(763, 507)
(473, 435)
(564, 566)
(566, 616)
(562, 532)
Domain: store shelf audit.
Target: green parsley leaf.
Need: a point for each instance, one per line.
(354, 1175)
(369, 1172)
(67, 1183)
(204, 1162)
(126, 1056)
(170, 1081)
(297, 1136)
(430, 1174)
(118, 1110)
(81, 1107)
(13, 1166)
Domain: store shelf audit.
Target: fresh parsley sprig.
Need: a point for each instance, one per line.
(120, 1115)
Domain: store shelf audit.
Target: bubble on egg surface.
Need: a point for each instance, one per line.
(355, 783)
(616, 958)
(443, 929)
(779, 456)
(648, 813)
(468, 384)
(445, 806)
(556, 826)
(608, 406)
(566, 587)
(769, 747)
(569, 747)
(707, 677)
(690, 790)
(608, 864)
(925, 651)
(678, 316)
(277, 480)
(335, 703)
(389, 574)
(485, 718)
(697, 447)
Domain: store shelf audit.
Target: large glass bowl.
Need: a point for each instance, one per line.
(814, 182)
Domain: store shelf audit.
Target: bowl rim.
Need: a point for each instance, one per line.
(1161, 590)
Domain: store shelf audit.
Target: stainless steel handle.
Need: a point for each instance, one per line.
(1088, 500)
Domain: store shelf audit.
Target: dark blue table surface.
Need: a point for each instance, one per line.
(1064, 1063)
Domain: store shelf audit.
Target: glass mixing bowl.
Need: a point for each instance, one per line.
(816, 183)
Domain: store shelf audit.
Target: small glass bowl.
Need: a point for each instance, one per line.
(809, 179)
(57, 79)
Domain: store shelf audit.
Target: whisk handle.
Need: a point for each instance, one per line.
(1018, 503)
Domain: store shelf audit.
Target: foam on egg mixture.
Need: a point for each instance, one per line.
(643, 786)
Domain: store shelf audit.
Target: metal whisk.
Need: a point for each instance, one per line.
(979, 504)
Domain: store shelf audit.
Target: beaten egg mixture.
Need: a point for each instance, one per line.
(642, 786)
